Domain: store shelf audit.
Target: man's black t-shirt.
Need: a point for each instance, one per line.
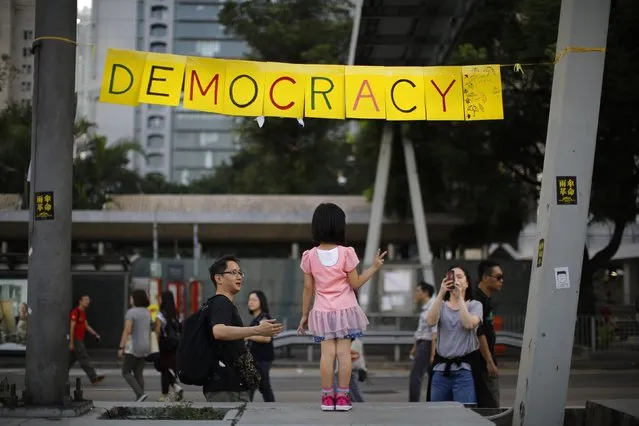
(225, 379)
(262, 351)
(486, 327)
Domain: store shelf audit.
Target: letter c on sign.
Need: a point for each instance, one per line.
(254, 92)
(270, 93)
(403, 80)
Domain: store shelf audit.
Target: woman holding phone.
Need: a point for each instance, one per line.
(457, 317)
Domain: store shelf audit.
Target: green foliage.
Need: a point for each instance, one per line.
(283, 157)
(99, 168)
(15, 147)
(100, 171)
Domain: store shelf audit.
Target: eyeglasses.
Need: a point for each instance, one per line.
(497, 277)
(234, 273)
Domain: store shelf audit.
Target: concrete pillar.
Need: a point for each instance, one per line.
(419, 217)
(562, 225)
(295, 251)
(368, 295)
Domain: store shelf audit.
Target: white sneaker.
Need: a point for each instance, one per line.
(142, 398)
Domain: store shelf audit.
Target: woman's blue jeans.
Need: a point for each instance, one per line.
(459, 387)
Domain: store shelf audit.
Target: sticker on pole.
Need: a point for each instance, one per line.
(562, 278)
(540, 253)
(44, 206)
(566, 190)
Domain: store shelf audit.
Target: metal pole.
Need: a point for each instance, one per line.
(49, 276)
(419, 217)
(373, 237)
(561, 222)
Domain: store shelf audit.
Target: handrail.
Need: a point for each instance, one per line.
(375, 337)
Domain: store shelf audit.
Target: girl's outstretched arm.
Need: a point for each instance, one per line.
(356, 280)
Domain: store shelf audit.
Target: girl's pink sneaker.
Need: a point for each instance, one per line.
(343, 403)
(328, 402)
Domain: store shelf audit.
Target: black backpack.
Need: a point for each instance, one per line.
(196, 355)
(170, 336)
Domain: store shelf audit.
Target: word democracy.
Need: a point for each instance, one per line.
(251, 88)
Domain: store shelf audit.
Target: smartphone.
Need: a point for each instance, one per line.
(450, 275)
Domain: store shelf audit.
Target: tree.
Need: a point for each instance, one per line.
(15, 147)
(100, 171)
(525, 31)
(282, 156)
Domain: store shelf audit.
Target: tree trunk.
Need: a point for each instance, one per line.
(587, 298)
(590, 266)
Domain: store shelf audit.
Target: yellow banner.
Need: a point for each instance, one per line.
(250, 88)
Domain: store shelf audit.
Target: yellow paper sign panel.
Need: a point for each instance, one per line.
(162, 79)
(324, 91)
(204, 84)
(482, 92)
(366, 92)
(443, 90)
(404, 94)
(244, 89)
(121, 77)
(284, 90)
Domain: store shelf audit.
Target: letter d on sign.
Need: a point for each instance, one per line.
(121, 81)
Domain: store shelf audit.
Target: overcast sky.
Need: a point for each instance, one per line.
(83, 3)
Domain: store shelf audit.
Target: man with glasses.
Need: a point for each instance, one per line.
(229, 332)
(491, 280)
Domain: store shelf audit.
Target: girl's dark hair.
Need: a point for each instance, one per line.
(140, 299)
(468, 295)
(167, 307)
(329, 224)
(263, 302)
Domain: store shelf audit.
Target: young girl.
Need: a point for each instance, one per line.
(336, 317)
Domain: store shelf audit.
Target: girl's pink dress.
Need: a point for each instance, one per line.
(336, 313)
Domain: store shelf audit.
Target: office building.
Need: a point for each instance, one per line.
(17, 20)
(180, 144)
(85, 107)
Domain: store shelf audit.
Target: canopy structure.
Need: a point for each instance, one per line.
(407, 32)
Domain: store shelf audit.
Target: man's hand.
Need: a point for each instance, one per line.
(120, 353)
(97, 337)
(354, 355)
(269, 328)
(492, 369)
(413, 351)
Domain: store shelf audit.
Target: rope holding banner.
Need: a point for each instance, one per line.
(65, 40)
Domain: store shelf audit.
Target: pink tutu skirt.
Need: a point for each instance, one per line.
(346, 323)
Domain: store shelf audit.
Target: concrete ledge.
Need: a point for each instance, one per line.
(73, 409)
(617, 412)
(426, 414)
(423, 414)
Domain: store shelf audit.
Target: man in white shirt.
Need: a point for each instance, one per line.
(423, 349)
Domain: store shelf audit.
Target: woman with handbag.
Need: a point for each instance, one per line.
(261, 347)
(167, 328)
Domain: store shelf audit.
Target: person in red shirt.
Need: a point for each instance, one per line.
(77, 349)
